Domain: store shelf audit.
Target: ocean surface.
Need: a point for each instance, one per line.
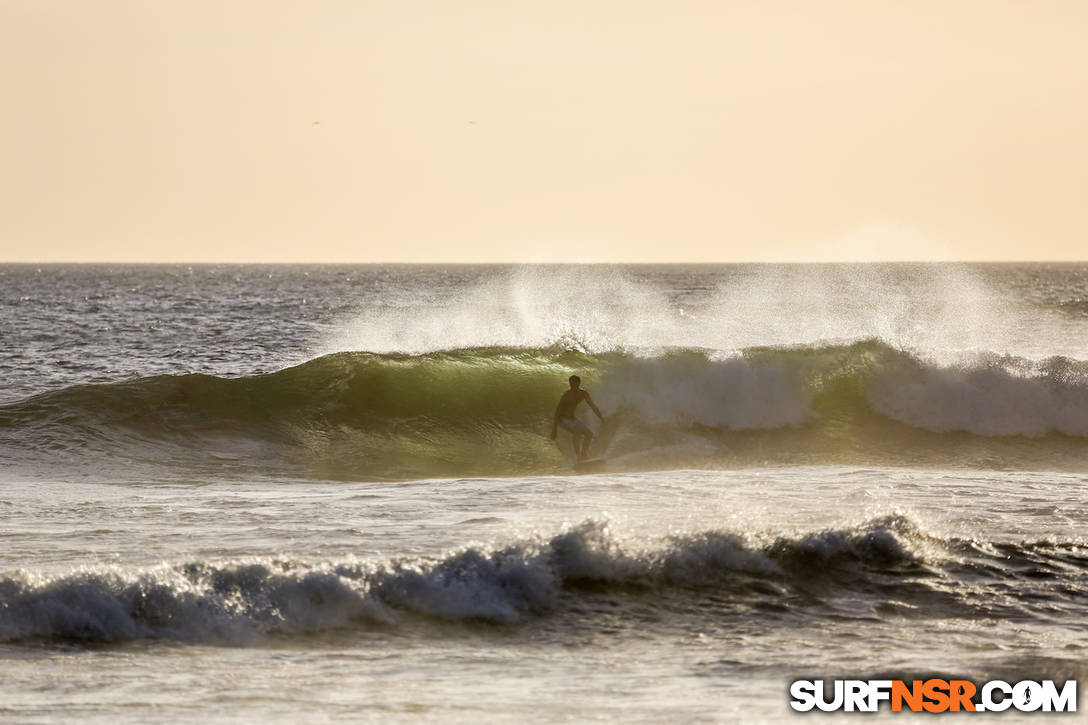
(284, 494)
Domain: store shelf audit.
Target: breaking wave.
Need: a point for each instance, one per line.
(888, 563)
(486, 411)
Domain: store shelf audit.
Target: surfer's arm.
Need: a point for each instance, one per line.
(593, 406)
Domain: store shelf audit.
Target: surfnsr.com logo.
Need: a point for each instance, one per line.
(933, 695)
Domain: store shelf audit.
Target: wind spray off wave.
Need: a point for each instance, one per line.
(937, 311)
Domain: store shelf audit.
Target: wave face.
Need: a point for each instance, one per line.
(887, 564)
(486, 411)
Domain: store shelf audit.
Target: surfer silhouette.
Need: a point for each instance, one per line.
(564, 416)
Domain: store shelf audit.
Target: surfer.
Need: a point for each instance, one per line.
(564, 416)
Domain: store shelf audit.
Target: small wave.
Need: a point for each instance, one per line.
(888, 562)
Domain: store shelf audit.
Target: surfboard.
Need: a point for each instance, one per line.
(590, 465)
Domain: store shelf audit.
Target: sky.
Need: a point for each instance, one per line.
(509, 131)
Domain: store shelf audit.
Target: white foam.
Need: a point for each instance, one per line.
(239, 601)
(991, 401)
(733, 392)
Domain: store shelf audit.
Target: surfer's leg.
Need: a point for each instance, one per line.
(587, 438)
(580, 436)
(578, 439)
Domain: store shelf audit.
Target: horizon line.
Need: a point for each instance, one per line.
(540, 264)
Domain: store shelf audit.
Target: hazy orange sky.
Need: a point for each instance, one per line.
(282, 131)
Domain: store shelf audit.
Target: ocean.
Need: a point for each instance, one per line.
(244, 493)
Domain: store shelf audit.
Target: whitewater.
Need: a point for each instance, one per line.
(309, 493)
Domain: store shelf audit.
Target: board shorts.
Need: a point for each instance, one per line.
(574, 425)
